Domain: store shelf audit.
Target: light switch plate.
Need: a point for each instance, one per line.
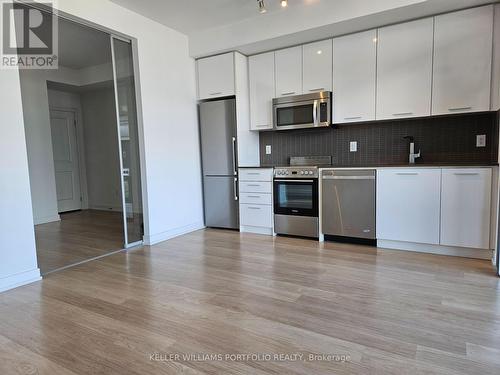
(353, 146)
(481, 140)
(268, 149)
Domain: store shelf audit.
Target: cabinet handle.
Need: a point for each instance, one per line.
(263, 126)
(215, 93)
(407, 173)
(459, 109)
(235, 187)
(318, 89)
(466, 174)
(254, 185)
(253, 173)
(288, 93)
(403, 114)
(253, 196)
(254, 208)
(353, 118)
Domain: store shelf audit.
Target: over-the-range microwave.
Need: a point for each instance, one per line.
(303, 111)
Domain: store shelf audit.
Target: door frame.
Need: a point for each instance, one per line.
(81, 151)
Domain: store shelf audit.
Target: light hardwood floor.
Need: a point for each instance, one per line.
(221, 292)
(79, 236)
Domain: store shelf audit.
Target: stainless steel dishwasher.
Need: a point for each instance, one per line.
(348, 203)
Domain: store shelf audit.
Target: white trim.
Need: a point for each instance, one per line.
(19, 279)
(164, 236)
(46, 219)
(436, 249)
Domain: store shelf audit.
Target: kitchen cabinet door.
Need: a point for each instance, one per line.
(318, 66)
(354, 71)
(216, 76)
(262, 91)
(408, 205)
(289, 71)
(462, 61)
(404, 70)
(466, 207)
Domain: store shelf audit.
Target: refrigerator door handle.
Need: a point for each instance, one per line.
(235, 185)
(235, 172)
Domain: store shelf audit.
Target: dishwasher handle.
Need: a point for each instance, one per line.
(348, 177)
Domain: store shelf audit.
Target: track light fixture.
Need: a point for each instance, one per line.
(262, 6)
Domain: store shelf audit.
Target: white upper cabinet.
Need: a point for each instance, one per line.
(466, 208)
(289, 71)
(408, 205)
(261, 76)
(318, 66)
(404, 70)
(462, 61)
(354, 71)
(216, 76)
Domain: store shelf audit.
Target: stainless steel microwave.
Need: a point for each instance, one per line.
(303, 111)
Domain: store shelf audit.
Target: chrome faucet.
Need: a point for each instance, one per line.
(412, 155)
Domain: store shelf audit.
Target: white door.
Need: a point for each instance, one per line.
(261, 77)
(465, 207)
(404, 70)
(354, 72)
(462, 61)
(65, 151)
(408, 205)
(289, 71)
(318, 69)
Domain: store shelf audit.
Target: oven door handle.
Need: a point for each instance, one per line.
(304, 181)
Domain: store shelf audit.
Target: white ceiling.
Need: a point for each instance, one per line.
(216, 26)
(81, 47)
(191, 16)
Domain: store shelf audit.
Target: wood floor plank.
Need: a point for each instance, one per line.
(221, 292)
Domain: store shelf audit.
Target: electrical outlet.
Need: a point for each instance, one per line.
(268, 149)
(353, 146)
(481, 140)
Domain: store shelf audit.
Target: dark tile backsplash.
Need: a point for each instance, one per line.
(442, 140)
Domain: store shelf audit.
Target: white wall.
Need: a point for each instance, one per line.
(18, 263)
(173, 202)
(101, 149)
(39, 143)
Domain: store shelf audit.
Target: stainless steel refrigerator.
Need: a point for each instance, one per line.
(220, 163)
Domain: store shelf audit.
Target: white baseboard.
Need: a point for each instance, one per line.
(19, 279)
(167, 235)
(256, 230)
(46, 219)
(436, 249)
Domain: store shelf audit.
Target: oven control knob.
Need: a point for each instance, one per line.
(311, 172)
(287, 173)
(301, 172)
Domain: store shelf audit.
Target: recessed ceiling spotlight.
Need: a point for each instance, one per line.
(262, 6)
(319, 52)
(284, 3)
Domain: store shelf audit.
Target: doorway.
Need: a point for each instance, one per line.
(82, 135)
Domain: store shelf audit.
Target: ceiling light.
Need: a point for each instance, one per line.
(319, 52)
(284, 3)
(262, 6)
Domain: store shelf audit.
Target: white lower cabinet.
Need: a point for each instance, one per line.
(466, 207)
(256, 200)
(408, 205)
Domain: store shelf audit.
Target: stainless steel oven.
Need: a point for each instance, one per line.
(303, 111)
(296, 207)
